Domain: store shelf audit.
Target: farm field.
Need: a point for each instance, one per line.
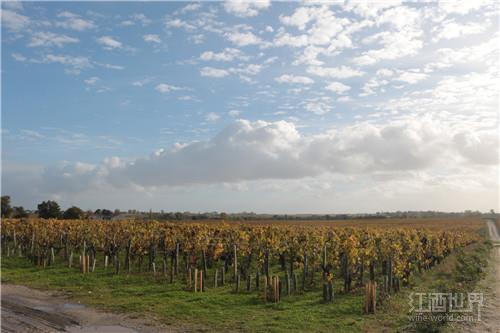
(152, 268)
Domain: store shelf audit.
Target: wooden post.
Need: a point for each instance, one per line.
(370, 297)
(266, 263)
(176, 271)
(389, 275)
(276, 287)
(128, 263)
(32, 250)
(117, 263)
(15, 241)
(287, 284)
(195, 280)
(328, 291)
(304, 276)
(172, 272)
(154, 268)
(201, 281)
(52, 256)
(265, 287)
(235, 262)
(204, 262)
(93, 265)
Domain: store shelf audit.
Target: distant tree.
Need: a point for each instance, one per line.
(49, 210)
(73, 213)
(19, 212)
(107, 214)
(6, 208)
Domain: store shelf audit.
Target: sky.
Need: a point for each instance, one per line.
(277, 107)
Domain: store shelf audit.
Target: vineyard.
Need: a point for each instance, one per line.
(272, 261)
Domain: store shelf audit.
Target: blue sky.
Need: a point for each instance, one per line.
(277, 107)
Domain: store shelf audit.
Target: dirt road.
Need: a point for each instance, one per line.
(31, 311)
(490, 320)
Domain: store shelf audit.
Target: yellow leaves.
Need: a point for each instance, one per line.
(405, 246)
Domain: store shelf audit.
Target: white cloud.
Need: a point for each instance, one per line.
(214, 72)
(287, 78)
(411, 77)
(300, 17)
(31, 135)
(74, 22)
(234, 113)
(190, 7)
(245, 39)
(319, 106)
(370, 9)
(142, 83)
(48, 39)
(166, 88)
(76, 64)
(109, 43)
(14, 5)
(212, 117)
(398, 44)
(250, 69)
(246, 8)
(338, 87)
(18, 57)
(286, 39)
(14, 21)
(384, 72)
(111, 66)
(151, 38)
(402, 41)
(451, 30)
(179, 24)
(461, 6)
(141, 18)
(228, 54)
(342, 72)
(247, 150)
(91, 81)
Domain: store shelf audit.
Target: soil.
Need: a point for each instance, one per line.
(32, 311)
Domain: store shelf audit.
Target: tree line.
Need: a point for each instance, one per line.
(50, 209)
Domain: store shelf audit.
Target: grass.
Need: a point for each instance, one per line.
(215, 310)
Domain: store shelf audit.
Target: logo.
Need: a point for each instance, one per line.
(445, 306)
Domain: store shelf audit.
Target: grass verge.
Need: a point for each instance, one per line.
(458, 273)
